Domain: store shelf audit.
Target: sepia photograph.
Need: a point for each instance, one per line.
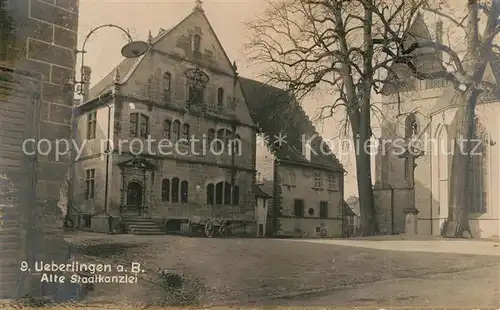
(249, 154)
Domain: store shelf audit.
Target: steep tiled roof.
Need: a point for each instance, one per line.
(347, 210)
(259, 192)
(276, 112)
(123, 68)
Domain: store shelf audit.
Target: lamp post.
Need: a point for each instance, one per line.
(133, 49)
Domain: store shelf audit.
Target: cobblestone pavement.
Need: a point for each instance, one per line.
(240, 271)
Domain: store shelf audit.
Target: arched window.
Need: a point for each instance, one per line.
(227, 193)
(236, 143)
(236, 195)
(176, 129)
(219, 192)
(184, 191)
(210, 194)
(478, 195)
(185, 132)
(210, 136)
(175, 190)
(167, 81)
(220, 97)
(167, 129)
(165, 190)
(196, 43)
(411, 126)
(221, 137)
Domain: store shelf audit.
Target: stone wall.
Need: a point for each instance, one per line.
(44, 37)
(390, 209)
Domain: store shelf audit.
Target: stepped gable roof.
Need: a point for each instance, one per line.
(277, 112)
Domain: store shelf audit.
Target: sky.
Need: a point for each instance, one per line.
(227, 18)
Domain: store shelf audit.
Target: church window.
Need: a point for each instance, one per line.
(411, 126)
(478, 195)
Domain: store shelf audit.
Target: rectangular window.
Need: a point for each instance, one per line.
(134, 120)
(91, 125)
(317, 180)
(139, 125)
(323, 209)
(299, 208)
(332, 182)
(89, 184)
(144, 126)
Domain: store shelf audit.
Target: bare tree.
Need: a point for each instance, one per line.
(341, 47)
(346, 47)
(467, 78)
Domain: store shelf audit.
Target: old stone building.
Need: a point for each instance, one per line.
(184, 94)
(37, 43)
(426, 112)
(295, 166)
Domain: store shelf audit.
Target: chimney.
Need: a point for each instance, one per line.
(439, 37)
(86, 73)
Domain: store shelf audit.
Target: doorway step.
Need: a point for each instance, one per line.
(138, 225)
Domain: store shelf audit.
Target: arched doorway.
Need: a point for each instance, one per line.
(134, 196)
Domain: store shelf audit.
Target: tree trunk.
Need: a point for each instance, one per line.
(457, 224)
(369, 225)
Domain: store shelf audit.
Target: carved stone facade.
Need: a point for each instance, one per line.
(182, 95)
(426, 114)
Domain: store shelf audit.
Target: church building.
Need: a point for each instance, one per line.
(426, 111)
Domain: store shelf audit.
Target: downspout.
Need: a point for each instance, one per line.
(392, 209)
(431, 199)
(106, 181)
(275, 195)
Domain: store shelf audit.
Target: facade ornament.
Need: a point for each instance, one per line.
(198, 6)
(235, 68)
(150, 37)
(117, 77)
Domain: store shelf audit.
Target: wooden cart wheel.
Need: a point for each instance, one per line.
(190, 229)
(209, 229)
(223, 230)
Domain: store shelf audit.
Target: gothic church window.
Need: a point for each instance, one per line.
(478, 195)
(175, 190)
(411, 126)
